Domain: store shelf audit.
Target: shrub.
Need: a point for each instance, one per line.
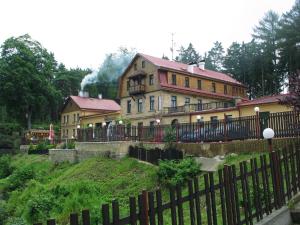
(15, 221)
(172, 172)
(20, 176)
(5, 166)
(170, 136)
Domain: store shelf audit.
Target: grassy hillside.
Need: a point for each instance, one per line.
(37, 189)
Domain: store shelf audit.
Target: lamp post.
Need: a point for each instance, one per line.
(256, 110)
(91, 126)
(158, 129)
(268, 134)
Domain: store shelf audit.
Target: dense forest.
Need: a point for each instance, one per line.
(34, 85)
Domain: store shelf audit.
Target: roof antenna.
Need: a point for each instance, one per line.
(172, 47)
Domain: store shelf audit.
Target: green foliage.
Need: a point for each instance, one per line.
(5, 166)
(20, 176)
(188, 55)
(170, 136)
(215, 57)
(15, 221)
(172, 172)
(38, 190)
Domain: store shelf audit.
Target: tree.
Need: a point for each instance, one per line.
(293, 99)
(188, 55)
(289, 41)
(26, 76)
(267, 37)
(215, 57)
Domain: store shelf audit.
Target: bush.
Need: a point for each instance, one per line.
(5, 166)
(41, 148)
(170, 136)
(172, 172)
(15, 221)
(20, 176)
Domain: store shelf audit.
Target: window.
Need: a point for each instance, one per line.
(140, 105)
(151, 103)
(135, 66)
(128, 84)
(77, 117)
(159, 101)
(64, 119)
(225, 89)
(187, 101)
(151, 81)
(199, 84)
(228, 118)
(173, 101)
(214, 121)
(67, 119)
(174, 79)
(199, 105)
(67, 133)
(73, 133)
(143, 64)
(213, 87)
(74, 118)
(187, 82)
(129, 106)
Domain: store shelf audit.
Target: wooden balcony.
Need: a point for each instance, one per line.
(137, 89)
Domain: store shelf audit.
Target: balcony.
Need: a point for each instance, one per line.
(198, 107)
(137, 89)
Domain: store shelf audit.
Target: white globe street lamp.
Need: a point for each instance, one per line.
(103, 124)
(120, 122)
(90, 125)
(256, 109)
(268, 134)
(158, 121)
(78, 126)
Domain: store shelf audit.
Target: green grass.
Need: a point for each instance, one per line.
(38, 189)
(52, 190)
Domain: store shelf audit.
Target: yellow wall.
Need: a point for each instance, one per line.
(206, 84)
(220, 115)
(270, 107)
(149, 69)
(99, 118)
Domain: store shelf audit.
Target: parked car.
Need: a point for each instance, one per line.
(195, 135)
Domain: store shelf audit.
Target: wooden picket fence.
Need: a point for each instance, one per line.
(233, 195)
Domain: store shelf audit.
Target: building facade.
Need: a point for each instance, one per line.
(79, 112)
(155, 90)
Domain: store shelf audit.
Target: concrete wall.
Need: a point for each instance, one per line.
(86, 150)
(213, 149)
(61, 155)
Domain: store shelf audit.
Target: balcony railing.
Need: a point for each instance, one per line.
(198, 107)
(137, 89)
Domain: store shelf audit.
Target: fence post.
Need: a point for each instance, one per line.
(74, 219)
(86, 217)
(225, 127)
(105, 214)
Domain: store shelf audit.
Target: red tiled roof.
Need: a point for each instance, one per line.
(264, 100)
(96, 104)
(183, 68)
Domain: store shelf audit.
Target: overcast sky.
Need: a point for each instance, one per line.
(81, 32)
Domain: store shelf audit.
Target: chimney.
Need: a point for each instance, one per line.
(100, 96)
(191, 66)
(202, 64)
(84, 94)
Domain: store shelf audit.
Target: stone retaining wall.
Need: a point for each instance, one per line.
(116, 149)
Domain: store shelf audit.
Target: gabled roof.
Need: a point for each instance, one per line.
(95, 103)
(181, 67)
(264, 100)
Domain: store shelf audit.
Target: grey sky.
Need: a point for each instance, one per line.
(80, 33)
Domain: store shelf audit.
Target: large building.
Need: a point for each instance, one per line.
(153, 89)
(82, 111)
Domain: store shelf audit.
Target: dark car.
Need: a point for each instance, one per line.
(194, 135)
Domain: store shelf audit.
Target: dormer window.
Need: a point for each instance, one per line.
(187, 82)
(213, 87)
(143, 64)
(173, 79)
(135, 66)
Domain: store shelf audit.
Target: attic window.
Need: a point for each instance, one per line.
(143, 64)
(135, 66)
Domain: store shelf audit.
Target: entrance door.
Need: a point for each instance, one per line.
(263, 121)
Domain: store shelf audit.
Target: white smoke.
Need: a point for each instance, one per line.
(89, 79)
